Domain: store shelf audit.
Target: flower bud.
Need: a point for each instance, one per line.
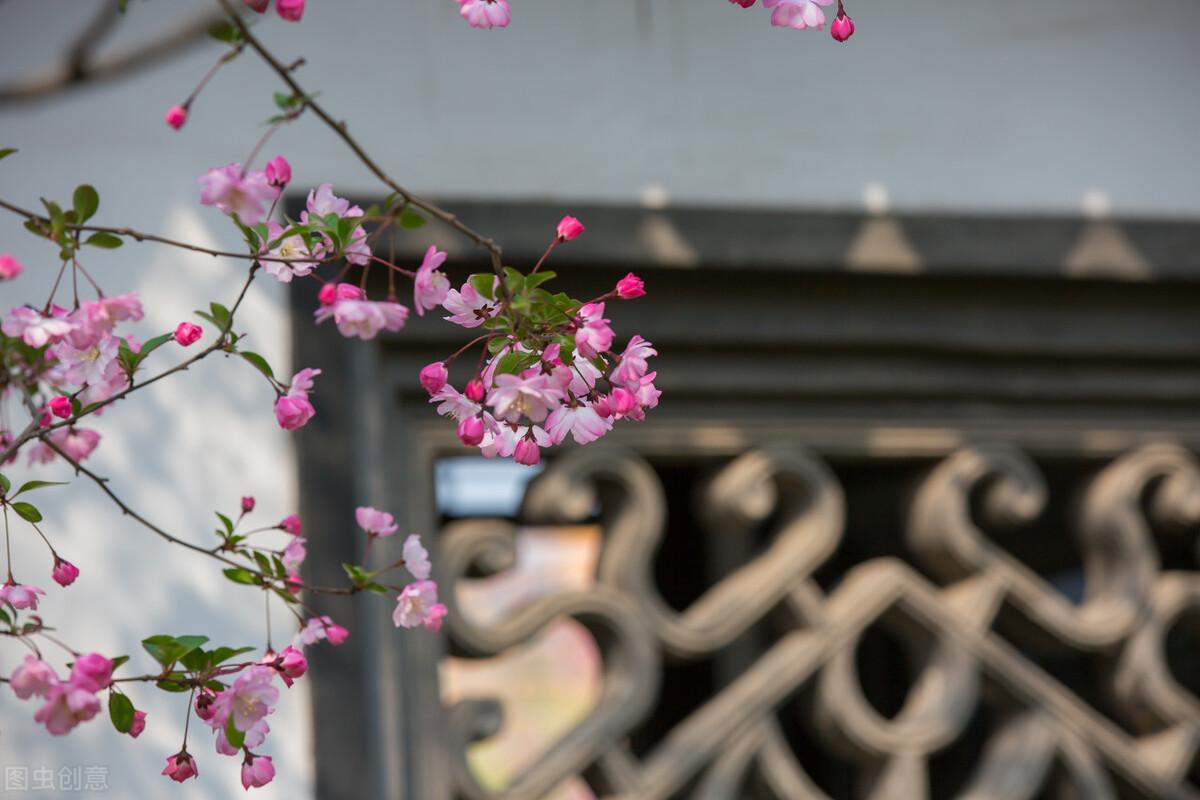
(327, 294)
(631, 287)
(278, 171)
(176, 116)
(291, 10)
(335, 634)
(205, 705)
(470, 431)
(257, 771)
(842, 27)
(569, 228)
(292, 662)
(742, 3)
(527, 452)
(433, 376)
(64, 572)
(475, 390)
(61, 406)
(602, 405)
(138, 725)
(247, 504)
(188, 334)
(180, 767)
(291, 524)
(9, 267)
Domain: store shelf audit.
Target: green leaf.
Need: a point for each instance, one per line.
(225, 32)
(85, 202)
(497, 344)
(5, 484)
(223, 654)
(484, 282)
(259, 363)
(105, 240)
(174, 685)
(357, 575)
(4, 616)
(283, 100)
(411, 220)
(150, 346)
(264, 563)
(239, 575)
(221, 315)
(537, 279)
(233, 735)
(5, 152)
(29, 486)
(27, 512)
(515, 362)
(120, 711)
(166, 650)
(195, 661)
(226, 521)
(118, 661)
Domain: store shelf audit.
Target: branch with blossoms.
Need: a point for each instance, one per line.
(538, 366)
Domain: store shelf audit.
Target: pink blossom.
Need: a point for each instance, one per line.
(291, 664)
(64, 572)
(502, 438)
(78, 443)
(92, 672)
(293, 410)
(187, 333)
(515, 396)
(254, 737)
(244, 196)
(842, 27)
(34, 329)
(247, 504)
(526, 452)
(293, 555)
(93, 364)
(581, 421)
(742, 3)
(251, 697)
(485, 13)
(278, 171)
(138, 725)
(332, 292)
(633, 363)
(593, 336)
(798, 14)
(318, 628)
(67, 705)
(322, 202)
(454, 404)
(9, 267)
(257, 771)
(631, 287)
(258, 5)
(430, 286)
(291, 10)
(33, 677)
(94, 318)
(21, 595)
(364, 318)
(417, 604)
(181, 766)
(291, 524)
(60, 406)
(204, 703)
(290, 247)
(470, 431)
(475, 390)
(375, 522)
(176, 116)
(433, 376)
(416, 558)
(468, 307)
(569, 228)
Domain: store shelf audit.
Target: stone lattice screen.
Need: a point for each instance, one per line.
(918, 517)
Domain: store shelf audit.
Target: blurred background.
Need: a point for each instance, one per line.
(1077, 115)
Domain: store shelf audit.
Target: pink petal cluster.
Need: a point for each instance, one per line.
(569, 228)
(69, 702)
(321, 203)
(318, 628)
(485, 13)
(64, 572)
(33, 328)
(798, 14)
(293, 409)
(181, 766)
(417, 604)
(188, 333)
(257, 770)
(361, 317)
(375, 522)
(430, 286)
(291, 524)
(416, 558)
(631, 287)
(289, 247)
(9, 267)
(245, 195)
(291, 10)
(468, 307)
(21, 595)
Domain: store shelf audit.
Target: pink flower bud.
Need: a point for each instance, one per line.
(603, 406)
(257, 771)
(842, 27)
(45, 417)
(139, 724)
(527, 452)
(247, 504)
(61, 406)
(9, 267)
(470, 431)
(291, 524)
(631, 287)
(293, 411)
(176, 116)
(475, 390)
(336, 634)
(205, 704)
(64, 572)
(291, 10)
(258, 5)
(279, 171)
(188, 334)
(291, 664)
(433, 376)
(327, 294)
(180, 767)
(742, 3)
(569, 228)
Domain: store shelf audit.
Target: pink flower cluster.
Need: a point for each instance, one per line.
(484, 13)
(69, 702)
(290, 10)
(801, 14)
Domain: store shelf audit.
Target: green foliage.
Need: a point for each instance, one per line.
(120, 711)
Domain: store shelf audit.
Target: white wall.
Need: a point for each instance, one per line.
(1006, 107)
